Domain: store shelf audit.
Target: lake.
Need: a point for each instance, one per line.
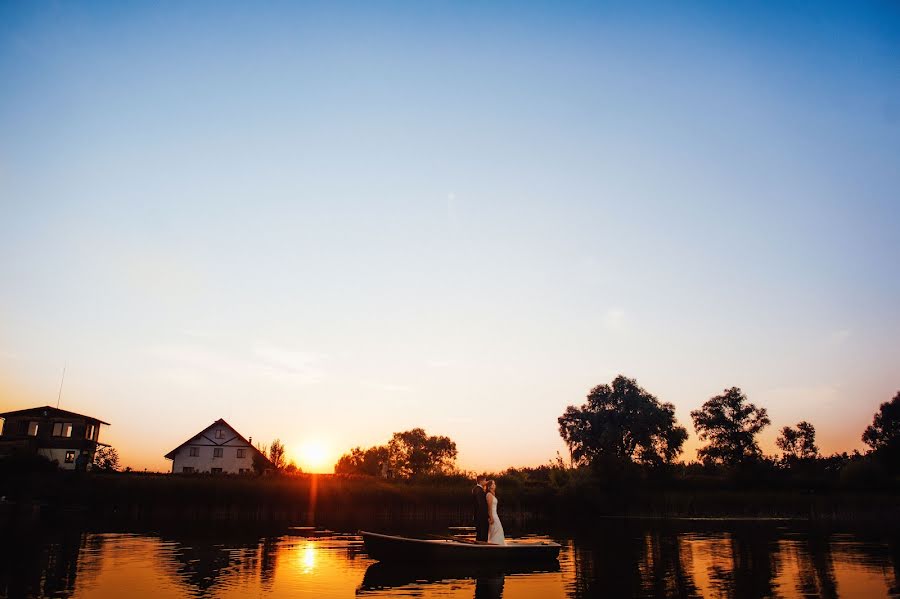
(612, 558)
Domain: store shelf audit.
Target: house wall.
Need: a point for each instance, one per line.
(59, 455)
(205, 462)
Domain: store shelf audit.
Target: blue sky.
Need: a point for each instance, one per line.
(330, 222)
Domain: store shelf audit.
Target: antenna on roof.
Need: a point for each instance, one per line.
(61, 380)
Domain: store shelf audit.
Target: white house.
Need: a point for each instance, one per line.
(217, 449)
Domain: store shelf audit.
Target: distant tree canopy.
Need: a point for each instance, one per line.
(408, 454)
(623, 421)
(798, 443)
(414, 453)
(730, 424)
(373, 461)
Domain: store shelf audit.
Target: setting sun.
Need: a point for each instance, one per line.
(314, 457)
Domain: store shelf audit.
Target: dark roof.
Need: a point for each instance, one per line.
(49, 412)
(171, 454)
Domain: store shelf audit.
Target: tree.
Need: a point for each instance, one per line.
(106, 459)
(798, 443)
(414, 453)
(622, 421)
(730, 424)
(408, 454)
(884, 432)
(276, 455)
(883, 435)
(373, 461)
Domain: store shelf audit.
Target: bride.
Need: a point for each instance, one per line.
(495, 532)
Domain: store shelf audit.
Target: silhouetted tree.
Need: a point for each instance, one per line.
(885, 427)
(623, 421)
(798, 443)
(106, 459)
(413, 453)
(276, 455)
(373, 461)
(883, 435)
(730, 424)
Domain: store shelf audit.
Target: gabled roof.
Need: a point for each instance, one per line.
(50, 412)
(219, 422)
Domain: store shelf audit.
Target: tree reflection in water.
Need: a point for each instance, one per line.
(614, 559)
(619, 559)
(815, 567)
(203, 561)
(753, 565)
(46, 563)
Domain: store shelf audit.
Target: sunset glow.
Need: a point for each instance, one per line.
(233, 212)
(314, 456)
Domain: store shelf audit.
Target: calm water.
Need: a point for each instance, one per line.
(612, 559)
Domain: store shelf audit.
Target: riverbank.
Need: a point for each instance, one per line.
(312, 499)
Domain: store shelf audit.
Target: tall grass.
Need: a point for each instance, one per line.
(365, 501)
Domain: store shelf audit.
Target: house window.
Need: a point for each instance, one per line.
(195, 451)
(241, 453)
(32, 429)
(2, 422)
(217, 452)
(216, 470)
(187, 469)
(70, 457)
(220, 433)
(89, 432)
(243, 470)
(62, 429)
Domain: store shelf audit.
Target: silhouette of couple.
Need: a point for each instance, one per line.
(487, 523)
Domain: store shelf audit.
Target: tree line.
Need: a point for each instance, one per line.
(622, 423)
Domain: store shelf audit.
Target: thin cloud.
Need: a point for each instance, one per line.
(193, 363)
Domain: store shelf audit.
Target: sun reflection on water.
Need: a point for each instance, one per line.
(306, 558)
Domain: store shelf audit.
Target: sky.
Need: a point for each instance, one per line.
(326, 223)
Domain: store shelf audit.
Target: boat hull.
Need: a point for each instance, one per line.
(392, 548)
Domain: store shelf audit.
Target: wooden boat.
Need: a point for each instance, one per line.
(407, 549)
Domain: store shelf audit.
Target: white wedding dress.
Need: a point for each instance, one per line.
(495, 532)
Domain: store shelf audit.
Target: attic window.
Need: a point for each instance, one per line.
(220, 433)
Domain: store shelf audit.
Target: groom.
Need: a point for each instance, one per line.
(479, 503)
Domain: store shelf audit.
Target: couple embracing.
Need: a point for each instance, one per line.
(487, 523)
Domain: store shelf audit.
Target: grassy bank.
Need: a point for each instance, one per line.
(362, 500)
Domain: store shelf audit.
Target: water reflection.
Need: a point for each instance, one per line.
(613, 559)
(488, 579)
